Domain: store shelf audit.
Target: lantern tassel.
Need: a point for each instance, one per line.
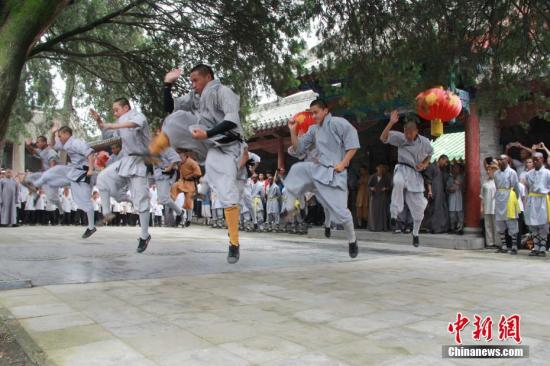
(436, 127)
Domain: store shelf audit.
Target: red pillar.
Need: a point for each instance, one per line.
(281, 153)
(473, 172)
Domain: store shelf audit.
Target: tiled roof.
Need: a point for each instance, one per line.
(450, 144)
(276, 114)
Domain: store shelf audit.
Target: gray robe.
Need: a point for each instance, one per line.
(216, 104)
(436, 216)
(456, 200)
(504, 181)
(273, 195)
(46, 155)
(536, 210)
(332, 139)
(9, 193)
(379, 203)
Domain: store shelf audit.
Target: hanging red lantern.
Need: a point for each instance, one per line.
(303, 121)
(438, 106)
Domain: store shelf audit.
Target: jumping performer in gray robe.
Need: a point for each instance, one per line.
(413, 155)
(77, 173)
(336, 141)
(130, 170)
(207, 122)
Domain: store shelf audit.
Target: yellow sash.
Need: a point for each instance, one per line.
(512, 206)
(257, 202)
(533, 194)
(297, 204)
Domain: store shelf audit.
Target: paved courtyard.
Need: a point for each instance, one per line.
(289, 301)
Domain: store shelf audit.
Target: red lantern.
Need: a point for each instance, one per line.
(438, 106)
(101, 159)
(303, 121)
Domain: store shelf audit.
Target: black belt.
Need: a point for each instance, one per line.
(422, 173)
(84, 176)
(150, 168)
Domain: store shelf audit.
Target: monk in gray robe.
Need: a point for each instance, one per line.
(130, 169)
(436, 216)
(207, 122)
(336, 141)
(507, 205)
(9, 194)
(537, 207)
(414, 153)
(379, 186)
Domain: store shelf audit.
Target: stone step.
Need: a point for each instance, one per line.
(446, 241)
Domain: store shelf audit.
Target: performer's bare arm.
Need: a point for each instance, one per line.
(424, 164)
(394, 118)
(116, 126)
(293, 135)
(30, 148)
(110, 126)
(52, 138)
(341, 166)
(170, 167)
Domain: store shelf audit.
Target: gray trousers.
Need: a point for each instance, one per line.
(56, 177)
(511, 225)
(415, 200)
(222, 171)
(457, 219)
(163, 195)
(491, 232)
(540, 236)
(111, 184)
(300, 180)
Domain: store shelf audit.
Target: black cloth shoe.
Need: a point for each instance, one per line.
(533, 253)
(178, 220)
(353, 249)
(187, 223)
(88, 233)
(416, 241)
(514, 251)
(327, 232)
(233, 254)
(500, 250)
(143, 243)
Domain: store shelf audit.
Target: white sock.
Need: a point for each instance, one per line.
(144, 223)
(91, 222)
(350, 231)
(416, 227)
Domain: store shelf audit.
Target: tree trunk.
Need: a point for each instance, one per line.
(68, 108)
(22, 23)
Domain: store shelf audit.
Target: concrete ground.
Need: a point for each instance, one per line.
(289, 301)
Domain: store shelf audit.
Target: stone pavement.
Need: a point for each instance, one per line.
(289, 301)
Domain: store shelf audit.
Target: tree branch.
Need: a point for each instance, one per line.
(83, 29)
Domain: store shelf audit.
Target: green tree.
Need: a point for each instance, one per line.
(392, 50)
(124, 47)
